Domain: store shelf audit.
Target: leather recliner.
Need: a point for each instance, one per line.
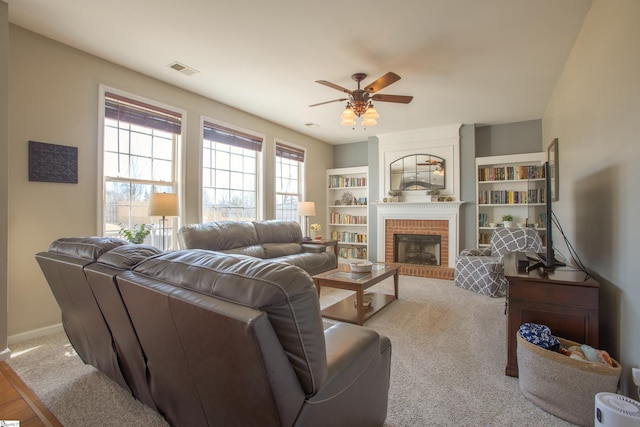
(235, 340)
(207, 338)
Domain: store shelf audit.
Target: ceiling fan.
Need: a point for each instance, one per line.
(359, 100)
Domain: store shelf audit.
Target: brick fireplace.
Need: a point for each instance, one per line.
(426, 219)
(419, 227)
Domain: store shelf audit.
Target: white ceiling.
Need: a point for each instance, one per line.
(464, 61)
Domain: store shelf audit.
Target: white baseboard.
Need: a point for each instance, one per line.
(5, 354)
(36, 333)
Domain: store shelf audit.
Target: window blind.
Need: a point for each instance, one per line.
(127, 110)
(218, 133)
(289, 152)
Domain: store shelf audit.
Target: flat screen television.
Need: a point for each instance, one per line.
(547, 258)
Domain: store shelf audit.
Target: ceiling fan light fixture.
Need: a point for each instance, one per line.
(348, 122)
(369, 122)
(348, 113)
(371, 113)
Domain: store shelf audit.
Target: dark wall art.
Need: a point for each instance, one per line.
(53, 163)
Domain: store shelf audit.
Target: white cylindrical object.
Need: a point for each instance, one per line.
(615, 410)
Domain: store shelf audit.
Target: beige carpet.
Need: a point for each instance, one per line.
(447, 366)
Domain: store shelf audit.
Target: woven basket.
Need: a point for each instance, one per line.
(563, 386)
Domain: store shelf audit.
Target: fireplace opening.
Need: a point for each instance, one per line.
(417, 249)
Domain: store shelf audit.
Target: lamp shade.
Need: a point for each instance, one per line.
(306, 208)
(163, 204)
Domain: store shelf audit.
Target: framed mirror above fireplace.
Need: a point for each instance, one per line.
(417, 172)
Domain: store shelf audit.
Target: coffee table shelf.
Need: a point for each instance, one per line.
(345, 310)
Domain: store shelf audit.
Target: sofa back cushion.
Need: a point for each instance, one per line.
(285, 292)
(90, 248)
(275, 231)
(231, 236)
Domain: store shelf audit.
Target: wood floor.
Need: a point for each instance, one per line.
(18, 402)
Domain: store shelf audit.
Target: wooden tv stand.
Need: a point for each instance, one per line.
(560, 298)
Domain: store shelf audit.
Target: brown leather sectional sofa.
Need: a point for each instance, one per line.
(274, 240)
(213, 339)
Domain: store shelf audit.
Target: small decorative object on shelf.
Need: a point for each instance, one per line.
(433, 195)
(507, 220)
(395, 195)
(313, 230)
(347, 198)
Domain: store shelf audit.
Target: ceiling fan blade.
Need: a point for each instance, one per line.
(328, 102)
(333, 86)
(401, 99)
(382, 82)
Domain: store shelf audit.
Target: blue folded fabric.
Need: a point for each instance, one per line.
(539, 335)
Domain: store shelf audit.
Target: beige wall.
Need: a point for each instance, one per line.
(53, 98)
(595, 114)
(4, 177)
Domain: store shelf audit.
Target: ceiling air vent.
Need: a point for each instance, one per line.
(183, 68)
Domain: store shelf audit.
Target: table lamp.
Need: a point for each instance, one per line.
(164, 205)
(305, 210)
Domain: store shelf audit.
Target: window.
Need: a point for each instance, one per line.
(230, 161)
(289, 168)
(140, 145)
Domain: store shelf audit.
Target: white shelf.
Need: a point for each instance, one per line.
(348, 251)
(516, 186)
(509, 204)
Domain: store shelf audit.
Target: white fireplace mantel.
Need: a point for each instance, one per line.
(448, 211)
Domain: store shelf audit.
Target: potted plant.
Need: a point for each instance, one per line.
(395, 195)
(137, 234)
(433, 195)
(507, 220)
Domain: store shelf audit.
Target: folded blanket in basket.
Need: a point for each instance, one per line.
(539, 335)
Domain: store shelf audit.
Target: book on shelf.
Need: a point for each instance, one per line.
(348, 237)
(510, 173)
(355, 252)
(338, 181)
(509, 197)
(340, 218)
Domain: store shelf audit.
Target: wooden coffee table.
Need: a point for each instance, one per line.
(351, 308)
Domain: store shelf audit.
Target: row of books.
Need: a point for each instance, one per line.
(352, 252)
(510, 173)
(494, 197)
(346, 237)
(337, 181)
(485, 238)
(338, 218)
(483, 220)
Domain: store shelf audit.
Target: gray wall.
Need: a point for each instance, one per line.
(509, 138)
(594, 112)
(468, 187)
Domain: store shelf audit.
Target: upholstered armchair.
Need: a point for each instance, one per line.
(481, 270)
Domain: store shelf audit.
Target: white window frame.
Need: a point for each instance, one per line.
(177, 183)
(260, 211)
(301, 175)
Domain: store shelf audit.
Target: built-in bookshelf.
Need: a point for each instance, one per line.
(348, 211)
(510, 185)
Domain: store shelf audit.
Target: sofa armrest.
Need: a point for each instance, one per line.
(476, 252)
(313, 248)
(358, 362)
